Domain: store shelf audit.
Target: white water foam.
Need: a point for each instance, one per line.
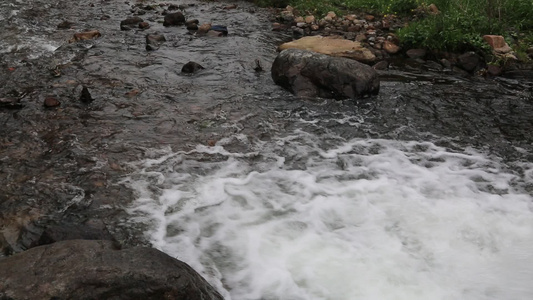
(359, 219)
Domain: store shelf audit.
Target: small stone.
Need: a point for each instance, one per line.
(191, 67)
(390, 47)
(65, 25)
(469, 61)
(416, 53)
(277, 27)
(382, 65)
(144, 25)
(130, 23)
(360, 38)
(85, 96)
(203, 29)
(154, 40)
(51, 102)
(192, 26)
(369, 18)
(173, 7)
(258, 66)
(299, 20)
(350, 17)
(310, 19)
(192, 21)
(174, 19)
(232, 6)
(287, 16)
(315, 27)
(494, 70)
(331, 15)
(87, 35)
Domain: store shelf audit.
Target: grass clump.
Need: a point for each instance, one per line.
(461, 24)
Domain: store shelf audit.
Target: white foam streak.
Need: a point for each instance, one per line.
(366, 219)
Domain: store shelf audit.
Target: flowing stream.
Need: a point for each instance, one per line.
(422, 192)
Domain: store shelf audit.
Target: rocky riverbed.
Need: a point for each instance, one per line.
(86, 91)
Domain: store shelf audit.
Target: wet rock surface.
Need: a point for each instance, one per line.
(80, 269)
(310, 74)
(65, 165)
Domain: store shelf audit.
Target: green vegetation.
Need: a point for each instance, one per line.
(459, 26)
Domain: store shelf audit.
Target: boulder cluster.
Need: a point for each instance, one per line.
(375, 35)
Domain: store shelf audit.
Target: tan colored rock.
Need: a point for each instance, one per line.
(332, 46)
(203, 29)
(497, 43)
(369, 18)
(332, 15)
(310, 19)
(87, 35)
(350, 17)
(299, 19)
(390, 47)
(315, 27)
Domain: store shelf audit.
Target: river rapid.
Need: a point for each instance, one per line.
(422, 192)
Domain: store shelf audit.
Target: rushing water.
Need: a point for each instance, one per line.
(424, 192)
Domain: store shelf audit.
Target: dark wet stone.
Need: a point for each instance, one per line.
(192, 26)
(65, 25)
(258, 66)
(382, 65)
(85, 96)
(174, 19)
(154, 40)
(173, 7)
(469, 61)
(10, 103)
(144, 25)
(191, 67)
(93, 230)
(416, 53)
(82, 269)
(311, 74)
(51, 102)
(494, 70)
(130, 23)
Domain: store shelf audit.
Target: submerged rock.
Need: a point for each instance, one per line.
(87, 35)
(130, 23)
(81, 269)
(51, 102)
(311, 74)
(332, 46)
(191, 67)
(154, 40)
(174, 19)
(85, 96)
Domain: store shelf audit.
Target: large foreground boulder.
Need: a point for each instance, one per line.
(332, 46)
(311, 74)
(82, 269)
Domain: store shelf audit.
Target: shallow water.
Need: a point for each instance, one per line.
(423, 192)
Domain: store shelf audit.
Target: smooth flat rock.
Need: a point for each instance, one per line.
(332, 46)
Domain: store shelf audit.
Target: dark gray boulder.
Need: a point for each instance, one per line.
(82, 269)
(310, 74)
(174, 19)
(130, 23)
